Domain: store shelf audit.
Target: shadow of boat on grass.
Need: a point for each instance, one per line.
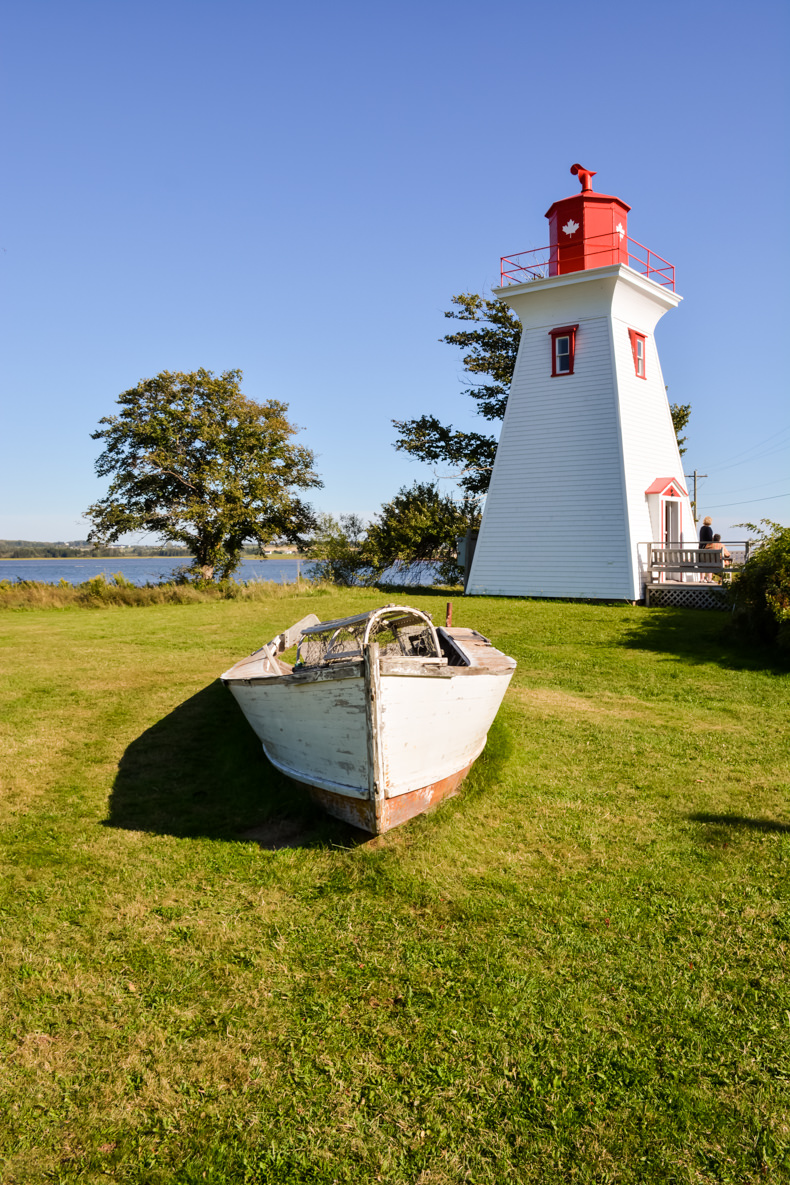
(717, 823)
(201, 772)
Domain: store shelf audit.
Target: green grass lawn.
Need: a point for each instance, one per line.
(576, 971)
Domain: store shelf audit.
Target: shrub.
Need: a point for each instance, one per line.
(760, 591)
(337, 551)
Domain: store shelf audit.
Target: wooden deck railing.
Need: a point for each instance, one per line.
(676, 560)
(662, 558)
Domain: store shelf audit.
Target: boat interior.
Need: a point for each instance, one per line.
(397, 631)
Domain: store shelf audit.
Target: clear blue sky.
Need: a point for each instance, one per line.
(298, 190)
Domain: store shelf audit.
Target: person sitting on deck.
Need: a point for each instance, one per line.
(717, 545)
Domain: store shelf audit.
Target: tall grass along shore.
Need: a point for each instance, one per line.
(576, 971)
(101, 593)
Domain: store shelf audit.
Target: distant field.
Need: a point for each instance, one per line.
(576, 971)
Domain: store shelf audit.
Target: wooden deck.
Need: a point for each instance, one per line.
(684, 577)
(681, 595)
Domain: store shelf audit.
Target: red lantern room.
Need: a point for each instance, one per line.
(587, 229)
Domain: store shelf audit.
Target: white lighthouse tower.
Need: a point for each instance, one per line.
(587, 470)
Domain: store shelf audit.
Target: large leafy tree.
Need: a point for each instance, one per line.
(492, 346)
(196, 462)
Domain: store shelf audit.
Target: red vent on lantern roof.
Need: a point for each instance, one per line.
(586, 230)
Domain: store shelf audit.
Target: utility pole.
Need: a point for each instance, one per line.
(695, 475)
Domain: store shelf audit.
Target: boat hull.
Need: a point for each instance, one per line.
(315, 731)
(394, 811)
(375, 751)
(378, 732)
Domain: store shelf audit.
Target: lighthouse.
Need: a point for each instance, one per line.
(587, 470)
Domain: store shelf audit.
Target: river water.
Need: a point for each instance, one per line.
(142, 570)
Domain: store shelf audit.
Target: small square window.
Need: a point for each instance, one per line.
(563, 349)
(638, 351)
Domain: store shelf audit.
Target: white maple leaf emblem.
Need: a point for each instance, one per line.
(570, 227)
(620, 231)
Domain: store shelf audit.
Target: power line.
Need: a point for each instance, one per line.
(783, 448)
(745, 489)
(770, 440)
(757, 444)
(746, 501)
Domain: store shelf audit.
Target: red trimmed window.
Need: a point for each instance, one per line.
(563, 349)
(638, 351)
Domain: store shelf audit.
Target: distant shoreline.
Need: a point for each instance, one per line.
(43, 559)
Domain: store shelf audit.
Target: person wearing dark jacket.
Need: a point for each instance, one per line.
(705, 540)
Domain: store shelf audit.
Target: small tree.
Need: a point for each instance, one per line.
(419, 527)
(336, 551)
(196, 462)
(680, 413)
(760, 591)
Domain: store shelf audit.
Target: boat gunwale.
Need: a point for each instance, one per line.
(344, 670)
(389, 667)
(492, 661)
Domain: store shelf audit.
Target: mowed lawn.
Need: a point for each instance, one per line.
(576, 971)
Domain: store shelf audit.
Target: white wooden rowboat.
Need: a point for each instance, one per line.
(381, 715)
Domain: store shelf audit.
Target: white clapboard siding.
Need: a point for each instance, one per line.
(650, 448)
(566, 508)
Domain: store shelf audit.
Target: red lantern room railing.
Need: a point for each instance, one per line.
(534, 265)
